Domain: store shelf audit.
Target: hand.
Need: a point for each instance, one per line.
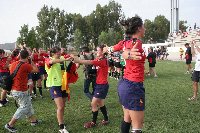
(134, 54)
(68, 58)
(21, 46)
(105, 49)
(72, 56)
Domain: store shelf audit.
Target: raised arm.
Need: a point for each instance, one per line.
(132, 53)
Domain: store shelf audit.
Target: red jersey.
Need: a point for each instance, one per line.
(35, 58)
(102, 70)
(21, 79)
(14, 59)
(134, 70)
(3, 61)
(41, 59)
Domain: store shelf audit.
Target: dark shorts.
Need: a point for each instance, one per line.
(188, 61)
(152, 64)
(42, 70)
(55, 92)
(196, 76)
(117, 64)
(101, 91)
(131, 95)
(3, 75)
(29, 76)
(110, 63)
(35, 76)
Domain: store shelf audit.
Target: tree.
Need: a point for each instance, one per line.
(78, 39)
(23, 35)
(44, 25)
(103, 38)
(110, 38)
(32, 40)
(182, 25)
(161, 29)
(150, 30)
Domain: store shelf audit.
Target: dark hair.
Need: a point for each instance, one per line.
(85, 49)
(55, 50)
(187, 44)
(15, 52)
(101, 46)
(24, 54)
(2, 51)
(132, 24)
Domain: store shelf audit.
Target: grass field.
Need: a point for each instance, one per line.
(167, 107)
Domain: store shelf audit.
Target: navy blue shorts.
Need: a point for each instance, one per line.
(131, 95)
(56, 92)
(101, 91)
(35, 76)
(188, 61)
(3, 75)
(42, 70)
(196, 76)
(29, 76)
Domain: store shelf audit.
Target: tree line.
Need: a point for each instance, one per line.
(57, 27)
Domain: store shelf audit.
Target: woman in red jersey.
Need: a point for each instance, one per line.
(130, 88)
(101, 87)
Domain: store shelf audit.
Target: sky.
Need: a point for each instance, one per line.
(16, 13)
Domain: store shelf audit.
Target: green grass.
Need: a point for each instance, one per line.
(167, 108)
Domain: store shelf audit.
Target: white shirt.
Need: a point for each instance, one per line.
(197, 64)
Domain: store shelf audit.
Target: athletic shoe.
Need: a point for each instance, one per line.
(36, 123)
(3, 103)
(103, 122)
(192, 99)
(89, 124)
(63, 130)
(187, 72)
(155, 76)
(10, 129)
(9, 95)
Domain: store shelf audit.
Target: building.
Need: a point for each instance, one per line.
(8, 46)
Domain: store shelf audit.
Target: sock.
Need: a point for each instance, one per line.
(136, 131)
(62, 126)
(95, 114)
(8, 92)
(104, 112)
(116, 73)
(125, 127)
(118, 76)
(113, 74)
(34, 90)
(109, 73)
(45, 81)
(40, 90)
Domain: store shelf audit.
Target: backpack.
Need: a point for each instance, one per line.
(8, 81)
(90, 69)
